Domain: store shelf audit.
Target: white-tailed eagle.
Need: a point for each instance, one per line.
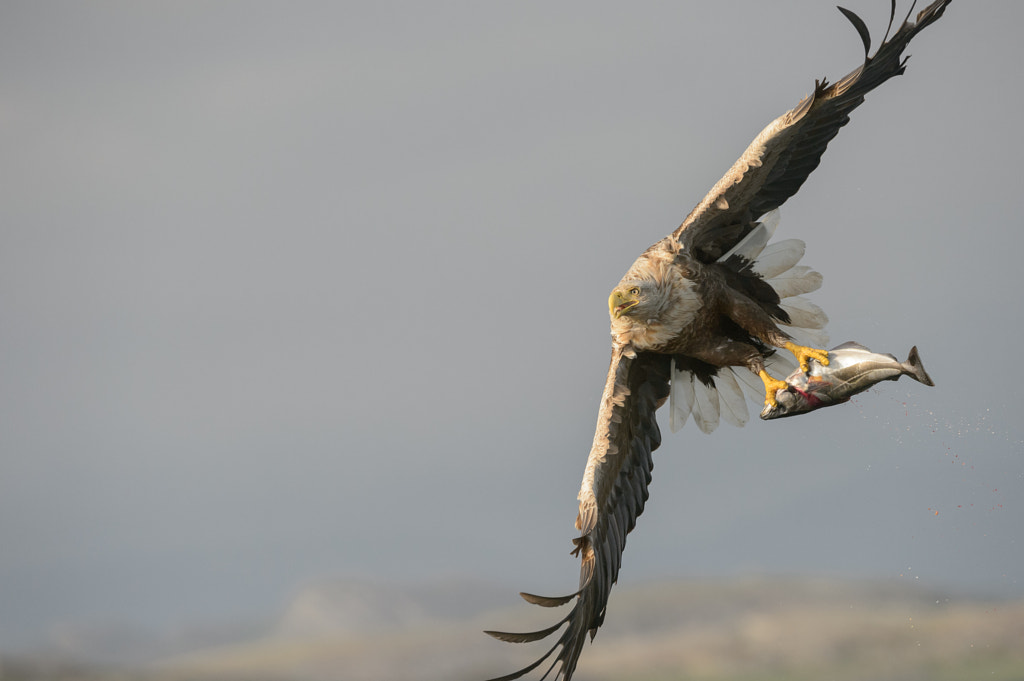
(700, 313)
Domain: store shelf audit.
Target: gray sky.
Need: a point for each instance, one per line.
(293, 291)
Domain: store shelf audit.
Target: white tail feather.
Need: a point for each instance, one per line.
(681, 398)
(752, 244)
(726, 399)
(770, 220)
(803, 313)
(815, 338)
(778, 257)
(796, 281)
(749, 382)
(733, 405)
(705, 411)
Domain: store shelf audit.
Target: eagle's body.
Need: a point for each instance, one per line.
(695, 308)
(699, 314)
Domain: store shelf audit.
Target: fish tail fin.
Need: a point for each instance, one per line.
(915, 369)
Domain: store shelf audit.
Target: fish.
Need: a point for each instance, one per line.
(852, 369)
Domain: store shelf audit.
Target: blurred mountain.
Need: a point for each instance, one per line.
(361, 607)
(749, 629)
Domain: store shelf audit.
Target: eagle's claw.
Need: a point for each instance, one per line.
(804, 353)
(771, 386)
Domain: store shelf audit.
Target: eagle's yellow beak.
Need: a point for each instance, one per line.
(620, 301)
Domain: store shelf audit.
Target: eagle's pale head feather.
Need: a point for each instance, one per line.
(653, 302)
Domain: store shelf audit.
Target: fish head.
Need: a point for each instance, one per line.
(788, 402)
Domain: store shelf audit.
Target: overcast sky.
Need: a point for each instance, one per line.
(294, 291)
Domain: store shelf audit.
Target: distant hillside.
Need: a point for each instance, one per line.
(360, 606)
(737, 630)
(749, 629)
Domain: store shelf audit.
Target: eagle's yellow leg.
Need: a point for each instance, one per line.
(771, 386)
(804, 353)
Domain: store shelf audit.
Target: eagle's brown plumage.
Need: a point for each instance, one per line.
(699, 301)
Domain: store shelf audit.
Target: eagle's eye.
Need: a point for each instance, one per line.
(634, 291)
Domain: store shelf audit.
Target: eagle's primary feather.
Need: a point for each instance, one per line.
(693, 313)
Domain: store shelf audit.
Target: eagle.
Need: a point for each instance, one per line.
(698, 318)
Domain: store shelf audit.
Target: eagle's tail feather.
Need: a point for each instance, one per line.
(796, 281)
(706, 407)
(803, 313)
(723, 400)
(749, 382)
(815, 338)
(681, 398)
(779, 257)
(732, 403)
(750, 246)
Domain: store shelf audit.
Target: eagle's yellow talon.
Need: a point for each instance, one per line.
(771, 386)
(804, 353)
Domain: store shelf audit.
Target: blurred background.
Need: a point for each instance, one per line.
(304, 331)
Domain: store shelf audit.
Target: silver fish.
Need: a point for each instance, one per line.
(852, 369)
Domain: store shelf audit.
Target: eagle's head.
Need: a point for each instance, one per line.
(636, 307)
(637, 298)
(652, 303)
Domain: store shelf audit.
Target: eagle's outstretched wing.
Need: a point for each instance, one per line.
(785, 153)
(618, 470)
(611, 498)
